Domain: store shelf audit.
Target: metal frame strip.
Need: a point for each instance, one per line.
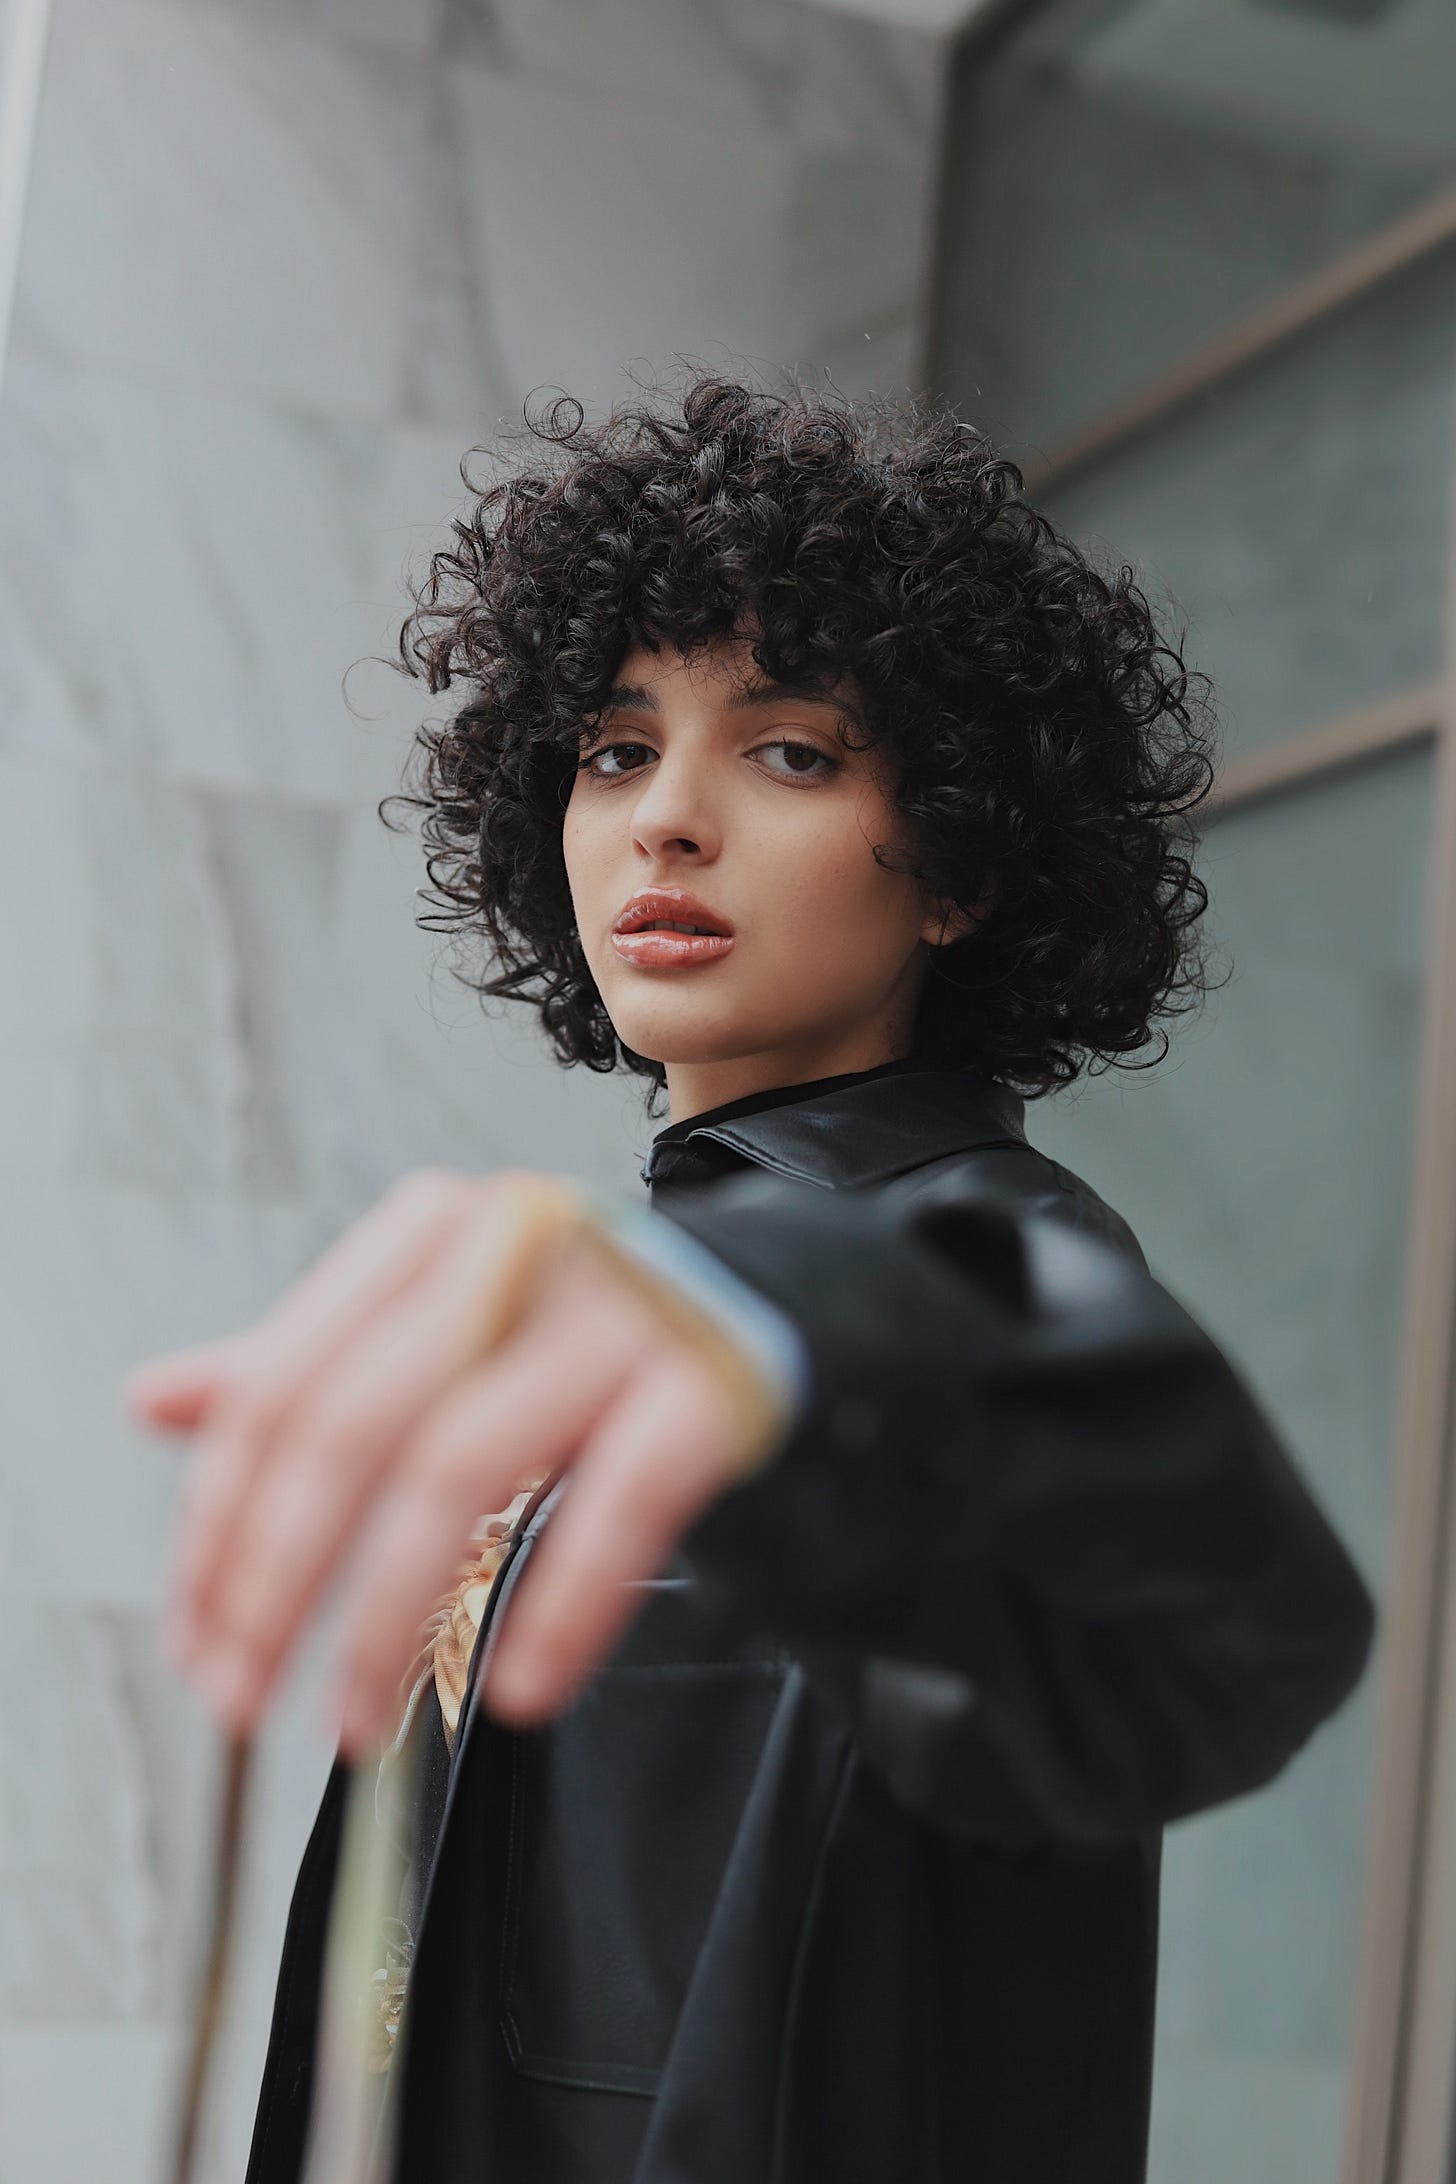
(1428, 227)
(1406, 2031)
(1343, 739)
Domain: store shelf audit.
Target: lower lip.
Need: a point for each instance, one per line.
(661, 951)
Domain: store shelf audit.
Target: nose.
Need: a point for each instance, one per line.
(673, 813)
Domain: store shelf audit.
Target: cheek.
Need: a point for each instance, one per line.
(578, 851)
(840, 911)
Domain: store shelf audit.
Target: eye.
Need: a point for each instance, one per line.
(588, 764)
(591, 761)
(827, 765)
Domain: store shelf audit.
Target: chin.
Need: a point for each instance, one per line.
(671, 1037)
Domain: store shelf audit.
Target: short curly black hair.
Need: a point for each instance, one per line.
(1046, 737)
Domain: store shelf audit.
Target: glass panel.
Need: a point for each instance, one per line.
(1129, 177)
(1265, 1166)
(1296, 518)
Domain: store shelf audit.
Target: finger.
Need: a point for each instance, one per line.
(665, 1451)
(174, 1392)
(166, 1387)
(332, 1305)
(586, 1339)
(306, 1508)
(508, 1238)
(316, 1504)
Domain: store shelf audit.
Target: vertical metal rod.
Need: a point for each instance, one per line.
(1409, 2025)
(212, 1990)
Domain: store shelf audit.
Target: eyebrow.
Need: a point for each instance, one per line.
(751, 691)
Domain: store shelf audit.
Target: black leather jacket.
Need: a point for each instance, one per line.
(846, 1865)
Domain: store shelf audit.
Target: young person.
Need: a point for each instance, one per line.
(794, 1775)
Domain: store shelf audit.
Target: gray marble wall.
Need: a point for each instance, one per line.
(281, 265)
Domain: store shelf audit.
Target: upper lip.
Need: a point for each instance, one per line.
(673, 903)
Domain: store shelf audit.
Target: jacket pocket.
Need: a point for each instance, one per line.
(623, 1814)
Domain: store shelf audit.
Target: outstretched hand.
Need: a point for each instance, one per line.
(358, 1432)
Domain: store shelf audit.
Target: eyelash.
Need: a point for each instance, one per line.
(778, 743)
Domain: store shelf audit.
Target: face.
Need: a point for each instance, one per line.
(699, 780)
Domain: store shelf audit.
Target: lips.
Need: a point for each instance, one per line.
(642, 934)
(660, 951)
(671, 906)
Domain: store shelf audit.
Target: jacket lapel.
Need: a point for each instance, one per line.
(861, 1134)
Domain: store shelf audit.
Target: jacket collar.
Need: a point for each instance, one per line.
(859, 1134)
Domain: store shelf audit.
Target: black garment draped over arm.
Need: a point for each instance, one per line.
(1032, 1529)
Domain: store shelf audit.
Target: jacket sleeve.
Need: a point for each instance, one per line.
(1029, 1525)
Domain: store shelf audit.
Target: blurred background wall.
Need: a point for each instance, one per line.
(278, 268)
